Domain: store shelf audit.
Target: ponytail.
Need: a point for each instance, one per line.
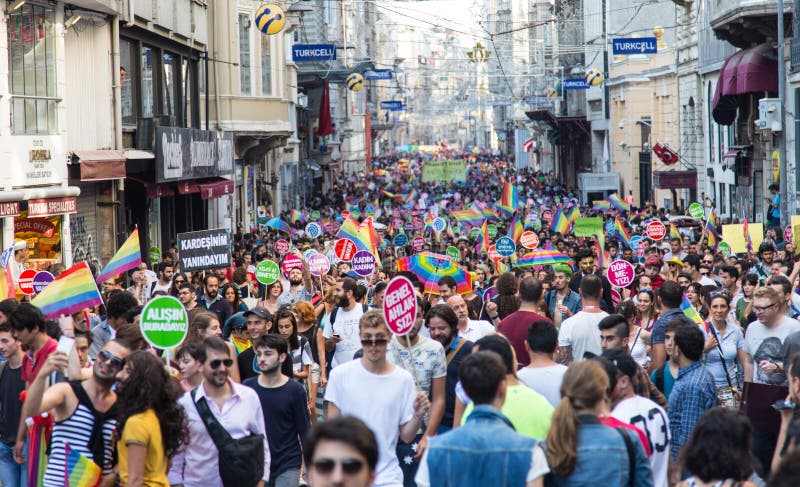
(562, 439)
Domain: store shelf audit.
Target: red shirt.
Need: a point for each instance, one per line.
(615, 423)
(31, 365)
(515, 328)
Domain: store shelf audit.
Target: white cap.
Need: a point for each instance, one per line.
(20, 245)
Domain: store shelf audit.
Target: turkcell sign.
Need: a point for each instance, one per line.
(575, 84)
(393, 105)
(634, 45)
(378, 74)
(303, 53)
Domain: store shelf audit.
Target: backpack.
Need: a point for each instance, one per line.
(364, 307)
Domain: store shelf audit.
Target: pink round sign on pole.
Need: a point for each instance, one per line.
(418, 243)
(318, 264)
(282, 247)
(290, 262)
(787, 233)
(620, 273)
(400, 306)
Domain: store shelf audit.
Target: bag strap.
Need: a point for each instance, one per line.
(452, 353)
(631, 455)
(218, 434)
(721, 355)
(635, 338)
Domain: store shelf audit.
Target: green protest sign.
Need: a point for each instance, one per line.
(724, 248)
(492, 229)
(588, 226)
(164, 322)
(474, 232)
(267, 272)
(155, 255)
(453, 253)
(315, 215)
(445, 170)
(696, 210)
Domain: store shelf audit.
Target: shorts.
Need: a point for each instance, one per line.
(315, 375)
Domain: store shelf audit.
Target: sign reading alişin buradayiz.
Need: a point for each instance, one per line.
(205, 249)
(634, 45)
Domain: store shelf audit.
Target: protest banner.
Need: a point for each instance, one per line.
(445, 171)
(587, 227)
(204, 249)
(734, 235)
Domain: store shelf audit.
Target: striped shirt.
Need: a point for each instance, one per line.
(75, 430)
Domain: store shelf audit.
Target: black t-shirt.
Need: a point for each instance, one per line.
(11, 384)
(249, 368)
(286, 417)
(451, 380)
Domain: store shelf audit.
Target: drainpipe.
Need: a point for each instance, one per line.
(119, 184)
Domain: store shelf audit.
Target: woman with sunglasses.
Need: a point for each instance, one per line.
(177, 280)
(150, 423)
(725, 350)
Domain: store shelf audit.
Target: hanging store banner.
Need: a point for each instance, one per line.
(575, 84)
(634, 45)
(183, 153)
(378, 74)
(304, 53)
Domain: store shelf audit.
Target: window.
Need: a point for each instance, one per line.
(128, 79)
(266, 66)
(244, 54)
(148, 81)
(31, 62)
(168, 84)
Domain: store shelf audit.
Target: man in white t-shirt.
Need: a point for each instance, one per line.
(543, 375)
(471, 330)
(579, 333)
(340, 326)
(642, 413)
(164, 281)
(379, 393)
(764, 340)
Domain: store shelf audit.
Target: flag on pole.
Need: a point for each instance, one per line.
(747, 238)
(509, 198)
(619, 203)
(674, 233)
(129, 256)
(73, 290)
(691, 312)
(620, 230)
(7, 289)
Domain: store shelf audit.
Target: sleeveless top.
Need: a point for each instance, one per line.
(77, 432)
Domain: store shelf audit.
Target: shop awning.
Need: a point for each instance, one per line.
(675, 179)
(753, 70)
(159, 190)
(135, 154)
(216, 189)
(101, 165)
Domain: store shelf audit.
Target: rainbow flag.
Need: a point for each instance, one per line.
(349, 228)
(574, 214)
(392, 196)
(515, 229)
(127, 257)
(73, 290)
(295, 216)
(80, 471)
(468, 217)
(674, 233)
(601, 205)
(560, 222)
(747, 238)
(620, 230)
(483, 237)
(509, 198)
(713, 236)
(7, 289)
(428, 223)
(491, 213)
(692, 313)
(240, 344)
(603, 258)
(411, 197)
(618, 202)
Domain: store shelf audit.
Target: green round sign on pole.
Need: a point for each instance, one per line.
(155, 255)
(453, 253)
(315, 215)
(474, 232)
(267, 272)
(725, 248)
(164, 322)
(696, 210)
(492, 229)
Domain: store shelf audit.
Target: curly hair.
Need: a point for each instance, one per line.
(149, 386)
(305, 311)
(507, 301)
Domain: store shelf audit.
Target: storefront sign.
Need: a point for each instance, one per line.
(378, 74)
(392, 105)
(164, 322)
(183, 153)
(41, 226)
(634, 45)
(10, 208)
(575, 84)
(206, 249)
(53, 206)
(303, 53)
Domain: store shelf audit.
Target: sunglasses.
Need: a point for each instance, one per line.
(374, 341)
(107, 357)
(350, 466)
(179, 281)
(704, 273)
(214, 364)
(760, 309)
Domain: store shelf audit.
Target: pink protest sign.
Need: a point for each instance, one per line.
(282, 247)
(620, 273)
(787, 233)
(418, 243)
(318, 264)
(290, 262)
(400, 305)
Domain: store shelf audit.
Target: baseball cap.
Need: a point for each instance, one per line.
(622, 361)
(259, 311)
(653, 260)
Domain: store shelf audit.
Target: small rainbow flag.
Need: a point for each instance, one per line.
(295, 216)
(491, 213)
(603, 257)
(601, 205)
(618, 202)
(127, 257)
(747, 239)
(468, 217)
(713, 236)
(560, 222)
(7, 289)
(80, 471)
(483, 237)
(692, 313)
(574, 214)
(73, 290)
(674, 233)
(509, 198)
(515, 229)
(619, 228)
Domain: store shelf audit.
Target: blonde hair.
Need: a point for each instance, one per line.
(305, 312)
(584, 385)
(372, 319)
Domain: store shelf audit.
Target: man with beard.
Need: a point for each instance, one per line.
(340, 326)
(212, 300)
(586, 262)
(472, 330)
(85, 412)
(285, 412)
(442, 324)
(301, 287)
(164, 281)
(258, 323)
(237, 409)
(424, 359)
(761, 268)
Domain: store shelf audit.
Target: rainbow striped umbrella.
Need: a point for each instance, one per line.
(278, 224)
(542, 257)
(430, 267)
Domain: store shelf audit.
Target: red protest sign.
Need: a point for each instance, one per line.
(493, 253)
(282, 247)
(547, 215)
(345, 249)
(290, 262)
(25, 281)
(656, 230)
(529, 240)
(418, 243)
(400, 305)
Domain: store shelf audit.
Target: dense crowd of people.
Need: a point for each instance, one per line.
(515, 373)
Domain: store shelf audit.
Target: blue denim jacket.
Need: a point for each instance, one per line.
(603, 459)
(486, 451)
(572, 301)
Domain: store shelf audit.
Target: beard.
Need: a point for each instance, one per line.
(296, 282)
(444, 339)
(212, 294)
(344, 302)
(269, 370)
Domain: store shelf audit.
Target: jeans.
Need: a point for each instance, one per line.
(289, 478)
(12, 474)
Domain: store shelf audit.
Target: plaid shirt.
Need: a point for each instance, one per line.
(692, 394)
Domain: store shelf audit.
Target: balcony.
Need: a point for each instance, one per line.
(744, 23)
(110, 7)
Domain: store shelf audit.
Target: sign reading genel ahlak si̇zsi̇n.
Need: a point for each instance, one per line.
(205, 249)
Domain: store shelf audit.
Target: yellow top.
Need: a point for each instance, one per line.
(144, 429)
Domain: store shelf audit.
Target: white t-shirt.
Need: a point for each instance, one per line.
(539, 467)
(764, 343)
(429, 360)
(346, 326)
(152, 288)
(476, 329)
(652, 419)
(383, 402)
(544, 380)
(580, 331)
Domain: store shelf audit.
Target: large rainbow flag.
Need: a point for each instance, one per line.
(619, 203)
(127, 257)
(468, 217)
(509, 198)
(516, 228)
(364, 235)
(73, 290)
(620, 230)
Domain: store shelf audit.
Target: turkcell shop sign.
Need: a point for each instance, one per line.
(378, 74)
(393, 105)
(313, 52)
(575, 84)
(634, 45)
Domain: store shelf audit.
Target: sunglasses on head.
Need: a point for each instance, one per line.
(107, 357)
(227, 362)
(350, 466)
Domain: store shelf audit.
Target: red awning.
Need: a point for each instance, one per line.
(675, 179)
(159, 190)
(188, 187)
(216, 189)
(753, 70)
(100, 165)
